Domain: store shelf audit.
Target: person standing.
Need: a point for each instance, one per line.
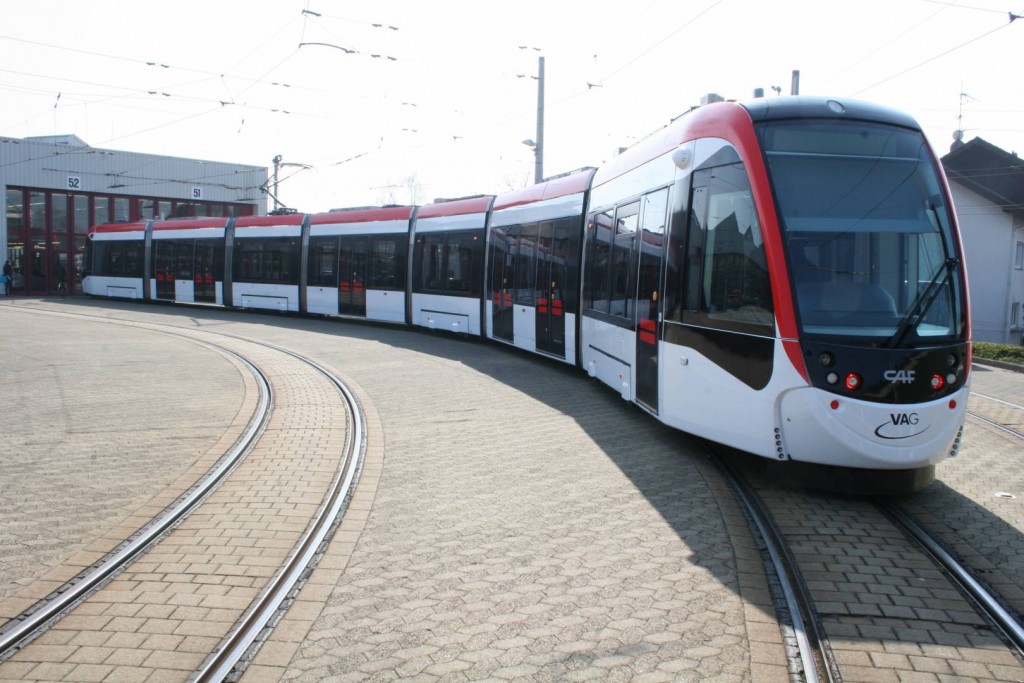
(8, 278)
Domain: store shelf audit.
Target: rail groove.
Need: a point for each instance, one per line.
(985, 601)
(816, 660)
(236, 647)
(20, 630)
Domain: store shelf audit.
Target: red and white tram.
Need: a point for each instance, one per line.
(783, 276)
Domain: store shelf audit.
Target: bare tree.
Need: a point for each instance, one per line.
(413, 187)
(409, 188)
(517, 181)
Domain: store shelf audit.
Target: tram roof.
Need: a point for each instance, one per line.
(455, 207)
(363, 214)
(561, 186)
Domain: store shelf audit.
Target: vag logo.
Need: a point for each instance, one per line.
(900, 426)
(899, 376)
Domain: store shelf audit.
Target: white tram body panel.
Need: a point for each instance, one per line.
(870, 435)
(184, 288)
(382, 305)
(115, 287)
(263, 295)
(112, 285)
(524, 316)
(607, 355)
(436, 310)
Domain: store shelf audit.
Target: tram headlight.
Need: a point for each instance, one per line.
(832, 377)
(937, 382)
(951, 379)
(826, 359)
(853, 381)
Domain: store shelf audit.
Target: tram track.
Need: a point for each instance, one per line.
(814, 661)
(984, 599)
(810, 611)
(243, 639)
(991, 416)
(20, 631)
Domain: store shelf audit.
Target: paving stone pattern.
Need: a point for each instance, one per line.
(162, 616)
(528, 525)
(95, 425)
(977, 505)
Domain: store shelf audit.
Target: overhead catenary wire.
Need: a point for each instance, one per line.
(894, 76)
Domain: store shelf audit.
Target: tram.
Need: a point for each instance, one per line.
(782, 276)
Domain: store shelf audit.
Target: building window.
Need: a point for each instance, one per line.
(1016, 322)
(1018, 259)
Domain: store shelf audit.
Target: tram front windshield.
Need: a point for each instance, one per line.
(867, 232)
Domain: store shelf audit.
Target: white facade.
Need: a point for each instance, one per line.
(993, 242)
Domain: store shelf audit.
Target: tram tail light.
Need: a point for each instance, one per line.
(937, 382)
(853, 381)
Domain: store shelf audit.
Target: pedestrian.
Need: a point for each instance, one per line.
(62, 274)
(8, 278)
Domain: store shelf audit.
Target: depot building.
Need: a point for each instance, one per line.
(55, 188)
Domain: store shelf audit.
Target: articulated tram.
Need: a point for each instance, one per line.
(783, 276)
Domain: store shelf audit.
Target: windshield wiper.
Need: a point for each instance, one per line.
(923, 302)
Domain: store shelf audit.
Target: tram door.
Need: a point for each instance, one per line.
(653, 219)
(163, 268)
(203, 271)
(352, 276)
(501, 282)
(551, 281)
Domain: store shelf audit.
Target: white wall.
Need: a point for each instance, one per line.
(988, 238)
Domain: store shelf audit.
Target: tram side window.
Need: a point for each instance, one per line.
(449, 263)
(118, 258)
(623, 263)
(183, 259)
(611, 263)
(387, 271)
(323, 262)
(272, 260)
(525, 263)
(727, 279)
(599, 249)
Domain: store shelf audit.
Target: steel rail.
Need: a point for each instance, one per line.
(997, 400)
(996, 425)
(234, 648)
(810, 638)
(17, 632)
(986, 602)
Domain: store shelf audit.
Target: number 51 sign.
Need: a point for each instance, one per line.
(197, 193)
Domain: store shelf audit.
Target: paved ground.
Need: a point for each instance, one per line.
(95, 423)
(514, 521)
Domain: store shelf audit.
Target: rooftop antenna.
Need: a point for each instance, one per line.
(958, 134)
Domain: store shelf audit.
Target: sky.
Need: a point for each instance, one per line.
(403, 101)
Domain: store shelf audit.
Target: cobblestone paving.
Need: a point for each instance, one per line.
(160, 618)
(977, 505)
(529, 526)
(90, 431)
